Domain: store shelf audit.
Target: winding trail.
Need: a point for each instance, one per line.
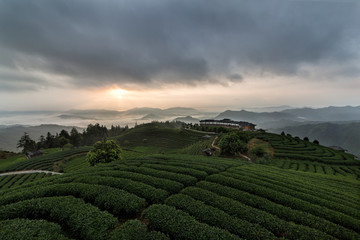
(28, 172)
(213, 144)
(246, 157)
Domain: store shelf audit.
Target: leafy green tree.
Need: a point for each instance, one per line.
(26, 143)
(232, 143)
(63, 141)
(104, 152)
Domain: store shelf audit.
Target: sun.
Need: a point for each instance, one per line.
(118, 92)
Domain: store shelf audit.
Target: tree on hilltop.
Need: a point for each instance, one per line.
(26, 143)
(104, 152)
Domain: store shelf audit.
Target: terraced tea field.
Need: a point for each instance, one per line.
(46, 162)
(20, 179)
(295, 154)
(183, 197)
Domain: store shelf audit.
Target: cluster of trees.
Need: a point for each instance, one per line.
(234, 142)
(305, 138)
(89, 136)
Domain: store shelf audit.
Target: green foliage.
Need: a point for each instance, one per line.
(75, 137)
(15, 229)
(217, 196)
(111, 199)
(83, 220)
(216, 217)
(168, 185)
(26, 143)
(260, 155)
(181, 225)
(258, 151)
(201, 197)
(46, 161)
(286, 200)
(151, 194)
(136, 230)
(104, 152)
(165, 137)
(233, 143)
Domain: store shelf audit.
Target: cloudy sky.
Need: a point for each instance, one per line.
(211, 54)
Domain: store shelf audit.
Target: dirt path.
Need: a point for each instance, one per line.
(246, 157)
(213, 143)
(28, 172)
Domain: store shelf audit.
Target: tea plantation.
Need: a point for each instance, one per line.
(182, 196)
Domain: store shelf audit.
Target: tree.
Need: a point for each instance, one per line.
(104, 152)
(94, 133)
(75, 137)
(64, 134)
(316, 142)
(233, 143)
(41, 143)
(50, 140)
(63, 141)
(26, 143)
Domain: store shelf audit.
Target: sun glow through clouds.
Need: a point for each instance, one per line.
(118, 92)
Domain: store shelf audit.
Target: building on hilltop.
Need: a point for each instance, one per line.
(228, 123)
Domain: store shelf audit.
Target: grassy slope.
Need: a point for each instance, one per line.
(158, 138)
(197, 197)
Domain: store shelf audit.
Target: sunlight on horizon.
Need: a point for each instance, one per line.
(118, 92)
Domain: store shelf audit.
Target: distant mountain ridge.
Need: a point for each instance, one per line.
(294, 116)
(145, 113)
(10, 135)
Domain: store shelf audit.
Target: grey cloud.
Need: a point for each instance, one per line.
(235, 77)
(16, 82)
(132, 41)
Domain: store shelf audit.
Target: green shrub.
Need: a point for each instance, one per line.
(83, 220)
(136, 230)
(104, 152)
(232, 143)
(218, 218)
(15, 229)
(180, 225)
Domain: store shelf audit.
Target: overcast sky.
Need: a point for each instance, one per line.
(119, 54)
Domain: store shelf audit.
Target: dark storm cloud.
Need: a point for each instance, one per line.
(133, 41)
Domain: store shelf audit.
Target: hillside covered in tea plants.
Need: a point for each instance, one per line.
(166, 188)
